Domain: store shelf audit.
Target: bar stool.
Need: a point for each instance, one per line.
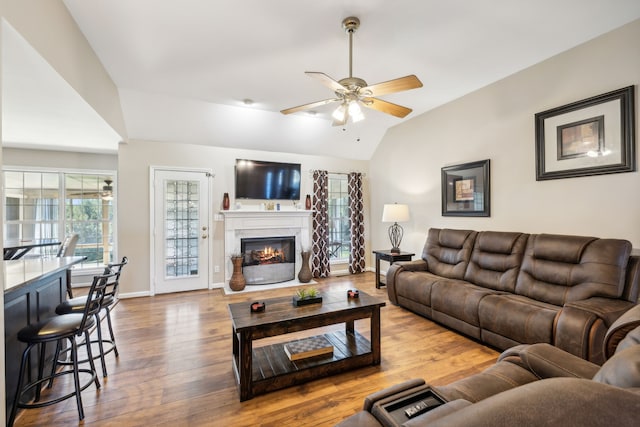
(58, 329)
(75, 305)
(67, 248)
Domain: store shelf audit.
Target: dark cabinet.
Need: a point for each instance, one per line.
(26, 303)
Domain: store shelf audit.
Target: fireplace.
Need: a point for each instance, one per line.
(268, 259)
(245, 223)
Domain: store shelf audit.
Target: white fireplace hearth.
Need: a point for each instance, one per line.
(242, 224)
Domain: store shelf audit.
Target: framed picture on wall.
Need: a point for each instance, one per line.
(465, 189)
(590, 137)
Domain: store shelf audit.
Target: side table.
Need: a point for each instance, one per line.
(391, 257)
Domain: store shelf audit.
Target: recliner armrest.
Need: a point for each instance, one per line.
(547, 361)
(581, 326)
(398, 267)
(389, 391)
(629, 321)
(415, 265)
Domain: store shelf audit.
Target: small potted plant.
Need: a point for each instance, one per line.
(306, 296)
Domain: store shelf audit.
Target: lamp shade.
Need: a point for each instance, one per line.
(395, 213)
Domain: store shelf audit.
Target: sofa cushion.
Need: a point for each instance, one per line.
(360, 419)
(547, 361)
(447, 252)
(416, 286)
(559, 269)
(457, 299)
(519, 318)
(622, 370)
(560, 248)
(493, 380)
(495, 260)
(563, 402)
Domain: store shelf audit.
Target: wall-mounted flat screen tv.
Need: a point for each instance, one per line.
(267, 180)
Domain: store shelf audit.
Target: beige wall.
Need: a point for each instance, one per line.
(58, 159)
(497, 123)
(137, 157)
(50, 29)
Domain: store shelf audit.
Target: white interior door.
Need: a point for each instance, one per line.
(181, 231)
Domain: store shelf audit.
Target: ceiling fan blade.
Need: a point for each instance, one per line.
(327, 81)
(392, 86)
(309, 106)
(386, 107)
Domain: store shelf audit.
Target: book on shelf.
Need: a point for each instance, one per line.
(308, 347)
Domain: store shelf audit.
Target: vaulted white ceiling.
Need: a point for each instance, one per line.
(184, 67)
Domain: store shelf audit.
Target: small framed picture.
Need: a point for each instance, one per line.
(466, 190)
(463, 189)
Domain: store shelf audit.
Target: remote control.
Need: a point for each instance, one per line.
(415, 409)
(421, 407)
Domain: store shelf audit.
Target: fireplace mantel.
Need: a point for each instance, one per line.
(240, 224)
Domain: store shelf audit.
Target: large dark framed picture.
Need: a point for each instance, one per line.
(466, 190)
(590, 137)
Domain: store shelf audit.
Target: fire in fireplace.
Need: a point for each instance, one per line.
(268, 259)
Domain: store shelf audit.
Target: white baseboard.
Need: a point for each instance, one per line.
(134, 294)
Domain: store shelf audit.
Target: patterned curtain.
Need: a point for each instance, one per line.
(356, 217)
(320, 261)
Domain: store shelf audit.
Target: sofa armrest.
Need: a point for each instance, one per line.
(581, 326)
(547, 361)
(398, 267)
(624, 324)
(390, 391)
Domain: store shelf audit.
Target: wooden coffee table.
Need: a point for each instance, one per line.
(267, 368)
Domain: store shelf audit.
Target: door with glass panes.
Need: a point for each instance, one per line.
(181, 231)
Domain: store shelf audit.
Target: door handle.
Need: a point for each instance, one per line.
(204, 236)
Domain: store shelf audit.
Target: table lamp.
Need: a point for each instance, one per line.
(395, 213)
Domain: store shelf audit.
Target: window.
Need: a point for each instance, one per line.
(32, 201)
(32, 211)
(89, 212)
(339, 228)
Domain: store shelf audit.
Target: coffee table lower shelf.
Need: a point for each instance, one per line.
(272, 369)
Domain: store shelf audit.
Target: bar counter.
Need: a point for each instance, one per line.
(33, 287)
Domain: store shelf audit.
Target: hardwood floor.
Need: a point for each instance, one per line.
(175, 366)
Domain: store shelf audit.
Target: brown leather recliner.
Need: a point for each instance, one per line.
(536, 384)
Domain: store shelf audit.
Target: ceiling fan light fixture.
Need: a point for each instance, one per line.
(340, 113)
(355, 112)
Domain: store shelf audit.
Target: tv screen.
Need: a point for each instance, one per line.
(267, 180)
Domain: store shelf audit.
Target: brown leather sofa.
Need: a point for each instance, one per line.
(530, 385)
(510, 288)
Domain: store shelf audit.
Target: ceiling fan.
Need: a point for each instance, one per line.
(107, 190)
(352, 92)
(105, 194)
